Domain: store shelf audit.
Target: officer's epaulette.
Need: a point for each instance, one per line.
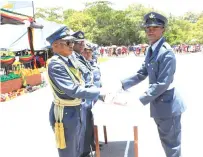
(55, 57)
(166, 46)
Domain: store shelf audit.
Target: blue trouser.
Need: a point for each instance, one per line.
(73, 129)
(170, 135)
(88, 121)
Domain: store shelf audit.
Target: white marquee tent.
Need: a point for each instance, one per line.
(15, 37)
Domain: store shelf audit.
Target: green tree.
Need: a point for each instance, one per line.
(50, 14)
(197, 32)
(105, 26)
(81, 21)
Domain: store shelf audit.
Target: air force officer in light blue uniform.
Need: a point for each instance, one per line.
(166, 105)
(69, 91)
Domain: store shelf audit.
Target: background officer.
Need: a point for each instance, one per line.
(88, 54)
(87, 73)
(85, 67)
(69, 90)
(166, 105)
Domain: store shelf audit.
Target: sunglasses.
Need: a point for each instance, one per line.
(69, 42)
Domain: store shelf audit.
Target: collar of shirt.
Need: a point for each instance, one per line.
(76, 54)
(65, 58)
(155, 44)
(80, 56)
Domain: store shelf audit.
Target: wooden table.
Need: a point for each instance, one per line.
(102, 120)
(135, 130)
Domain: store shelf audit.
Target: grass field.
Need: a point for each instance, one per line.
(102, 59)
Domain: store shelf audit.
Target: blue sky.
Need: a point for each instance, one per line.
(176, 7)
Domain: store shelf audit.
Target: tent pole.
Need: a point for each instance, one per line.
(33, 10)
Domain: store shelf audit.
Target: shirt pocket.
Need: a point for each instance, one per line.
(70, 117)
(165, 98)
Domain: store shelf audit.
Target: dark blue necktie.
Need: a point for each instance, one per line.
(150, 51)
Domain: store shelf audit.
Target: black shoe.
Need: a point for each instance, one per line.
(90, 155)
(86, 154)
(101, 145)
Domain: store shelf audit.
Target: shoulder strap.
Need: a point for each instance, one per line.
(167, 46)
(66, 67)
(83, 61)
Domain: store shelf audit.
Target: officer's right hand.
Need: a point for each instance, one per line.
(102, 95)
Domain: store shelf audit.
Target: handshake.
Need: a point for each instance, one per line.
(120, 97)
(117, 97)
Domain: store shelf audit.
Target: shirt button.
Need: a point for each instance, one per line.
(162, 99)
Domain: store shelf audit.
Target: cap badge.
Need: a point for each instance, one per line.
(151, 16)
(67, 32)
(80, 35)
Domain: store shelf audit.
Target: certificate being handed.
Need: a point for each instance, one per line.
(120, 98)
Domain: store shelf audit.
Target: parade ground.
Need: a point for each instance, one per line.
(25, 129)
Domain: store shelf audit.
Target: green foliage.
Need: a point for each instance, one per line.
(7, 53)
(10, 76)
(51, 14)
(106, 26)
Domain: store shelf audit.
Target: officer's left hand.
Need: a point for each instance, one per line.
(128, 99)
(109, 98)
(120, 98)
